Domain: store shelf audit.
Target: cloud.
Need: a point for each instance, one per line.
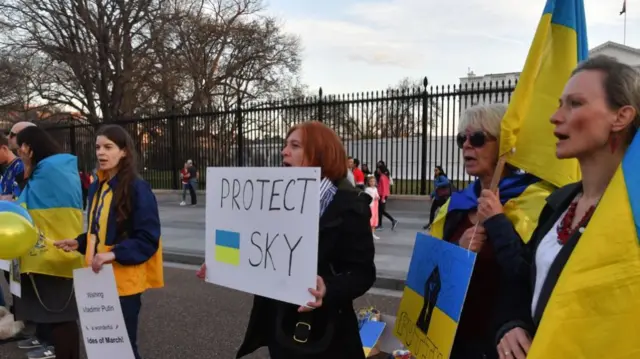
(432, 37)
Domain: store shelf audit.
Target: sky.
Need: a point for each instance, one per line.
(361, 45)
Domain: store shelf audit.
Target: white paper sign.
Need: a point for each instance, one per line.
(5, 265)
(262, 230)
(105, 334)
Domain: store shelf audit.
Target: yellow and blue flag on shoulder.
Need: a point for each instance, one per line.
(559, 44)
(594, 308)
(53, 198)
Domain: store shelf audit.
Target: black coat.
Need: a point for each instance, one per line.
(346, 263)
(519, 265)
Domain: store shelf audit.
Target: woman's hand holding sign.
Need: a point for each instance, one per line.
(319, 293)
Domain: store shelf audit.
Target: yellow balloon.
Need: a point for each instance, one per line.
(17, 236)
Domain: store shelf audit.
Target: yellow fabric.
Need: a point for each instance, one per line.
(130, 279)
(523, 211)
(526, 126)
(594, 309)
(54, 224)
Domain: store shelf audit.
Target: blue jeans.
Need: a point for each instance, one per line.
(130, 311)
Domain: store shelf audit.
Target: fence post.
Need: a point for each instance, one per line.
(72, 139)
(173, 125)
(425, 126)
(320, 106)
(240, 152)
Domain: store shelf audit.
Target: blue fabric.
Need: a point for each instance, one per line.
(438, 182)
(510, 187)
(631, 171)
(8, 183)
(48, 186)
(143, 227)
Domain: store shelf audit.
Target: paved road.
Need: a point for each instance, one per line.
(183, 232)
(191, 319)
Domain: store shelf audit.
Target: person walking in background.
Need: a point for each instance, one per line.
(85, 182)
(358, 175)
(383, 178)
(193, 181)
(350, 177)
(184, 178)
(124, 226)
(372, 191)
(440, 194)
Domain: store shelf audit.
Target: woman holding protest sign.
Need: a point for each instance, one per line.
(124, 226)
(458, 222)
(576, 284)
(328, 327)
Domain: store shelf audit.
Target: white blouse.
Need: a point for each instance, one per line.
(546, 253)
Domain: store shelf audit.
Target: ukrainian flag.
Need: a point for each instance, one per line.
(594, 308)
(560, 43)
(227, 249)
(53, 198)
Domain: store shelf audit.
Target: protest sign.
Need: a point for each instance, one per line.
(434, 293)
(5, 265)
(103, 328)
(262, 230)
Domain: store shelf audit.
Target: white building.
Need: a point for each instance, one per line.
(474, 83)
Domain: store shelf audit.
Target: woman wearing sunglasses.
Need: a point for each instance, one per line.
(457, 222)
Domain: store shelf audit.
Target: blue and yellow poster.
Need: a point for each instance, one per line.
(433, 297)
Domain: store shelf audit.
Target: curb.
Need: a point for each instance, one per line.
(191, 258)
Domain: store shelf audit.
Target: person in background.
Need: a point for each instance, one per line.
(358, 175)
(372, 191)
(440, 194)
(184, 178)
(11, 183)
(383, 177)
(350, 177)
(365, 169)
(124, 226)
(194, 176)
(85, 182)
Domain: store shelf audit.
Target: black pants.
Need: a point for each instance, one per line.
(131, 311)
(383, 212)
(85, 194)
(65, 338)
(435, 204)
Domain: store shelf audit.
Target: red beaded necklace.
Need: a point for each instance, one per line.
(564, 228)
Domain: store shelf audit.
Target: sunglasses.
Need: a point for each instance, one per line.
(476, 139)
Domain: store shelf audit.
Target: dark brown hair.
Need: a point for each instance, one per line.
(127, 171)
(323, 148)
(621, 84)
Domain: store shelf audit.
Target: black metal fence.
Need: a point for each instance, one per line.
(412, 130)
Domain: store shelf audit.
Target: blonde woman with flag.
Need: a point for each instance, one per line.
(459, 219)
(576, 284)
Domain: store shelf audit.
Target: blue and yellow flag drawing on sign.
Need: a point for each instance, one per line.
(560, 43)
(434, 293)
(53, 197)
(593, 311)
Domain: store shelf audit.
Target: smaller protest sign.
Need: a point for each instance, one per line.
(433, 297)
(262, 230)
(5, 265)
(103, 328)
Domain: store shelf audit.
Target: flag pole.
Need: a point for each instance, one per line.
(624, 40)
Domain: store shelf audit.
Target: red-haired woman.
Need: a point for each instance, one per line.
(345, 262)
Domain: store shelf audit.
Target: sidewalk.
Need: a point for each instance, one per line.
(183, 234)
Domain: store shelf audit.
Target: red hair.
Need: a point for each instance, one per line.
(322, 148)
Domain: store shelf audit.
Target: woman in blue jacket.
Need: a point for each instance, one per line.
(124, 226)
(440, 194)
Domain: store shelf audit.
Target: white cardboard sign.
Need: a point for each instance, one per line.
(262, 230)
(103, 328)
